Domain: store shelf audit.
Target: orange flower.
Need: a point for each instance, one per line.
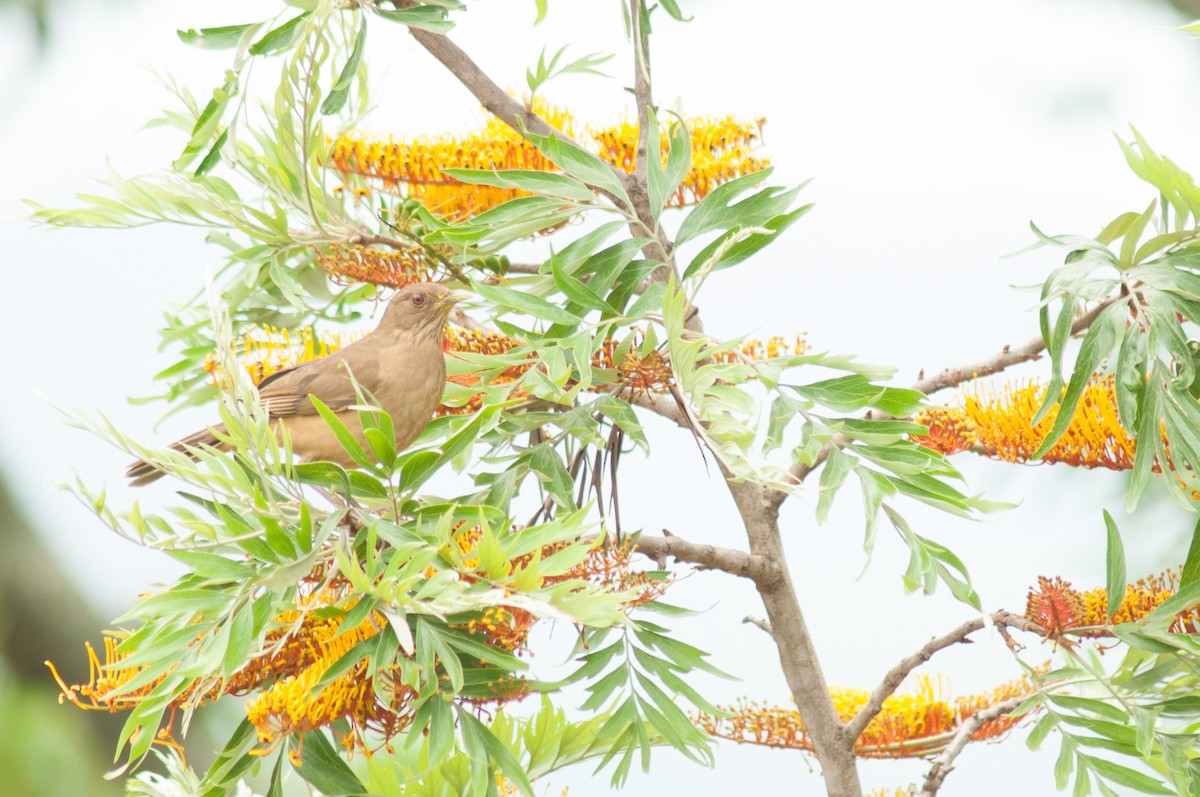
(1002, 427)
(416, 168)
(392, 269)
(1058, 608)
(911, 724)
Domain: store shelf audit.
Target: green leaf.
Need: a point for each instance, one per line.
(343, 434)
(214, 155)
(522, 302)
(672, 9)
(506, 761)
(843, 393)
(679, 158)
(275, 787)
(1191, 567)
(579, 292)
(1097, 344)
(1125, 776)
(279, 39)
(429, 17)
(553, 475)
(221, 38)
(837, 468)
(533, 181)
(719, 255)
(321, 766)
(341, 89)
(1114, 567)
(718, 211)
(580, 163)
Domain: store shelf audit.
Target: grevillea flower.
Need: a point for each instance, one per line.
(1001, 426)
(263, 350)
(286, 680)
(913, 724)
(755, 349)
(1059, 609)
(721, 151)
(392, 269)
(416, 167)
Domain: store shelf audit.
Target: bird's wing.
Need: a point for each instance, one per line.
(286, 392)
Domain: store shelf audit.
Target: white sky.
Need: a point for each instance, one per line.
(935, 132)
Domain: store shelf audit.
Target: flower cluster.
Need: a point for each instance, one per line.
(416, 168)
(912, 724)
(392, 269)
(1058, 609)
(721, 151)
(264, 349)
(1002, 427)
(288, 678)
(755, 349)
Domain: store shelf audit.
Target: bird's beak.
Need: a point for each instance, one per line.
(457, 296)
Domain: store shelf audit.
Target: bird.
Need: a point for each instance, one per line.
(400, 363)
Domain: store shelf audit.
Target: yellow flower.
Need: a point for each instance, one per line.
(416, 167)
(912, 724)
(392, 269)
(1058, 608)
(1001, 426)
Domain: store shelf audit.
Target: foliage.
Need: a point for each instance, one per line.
(387, 608)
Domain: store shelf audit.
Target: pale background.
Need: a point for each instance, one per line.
(936, 131)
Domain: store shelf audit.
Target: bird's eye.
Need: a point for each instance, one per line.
(418, 300)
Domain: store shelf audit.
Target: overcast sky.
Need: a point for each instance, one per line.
(936, 132)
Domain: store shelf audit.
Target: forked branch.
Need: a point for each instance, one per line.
(895, 676)
(943, 765)
(953, 377)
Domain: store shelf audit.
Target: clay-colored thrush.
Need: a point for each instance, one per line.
(400, 363)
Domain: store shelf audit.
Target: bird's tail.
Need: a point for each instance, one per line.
(142, 472)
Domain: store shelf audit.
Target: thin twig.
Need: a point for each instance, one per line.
(524, 268)
(1005, 358)
(952, 377)
(943, 765)
(490, 95)
(709, 557)
(758, 622)
(895, 676)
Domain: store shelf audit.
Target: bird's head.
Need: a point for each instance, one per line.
(421, 309)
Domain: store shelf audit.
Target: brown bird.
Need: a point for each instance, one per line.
(400, 363)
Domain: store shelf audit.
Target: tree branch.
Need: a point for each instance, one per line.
(759, 623)
(895, 676)
(1005, 358)
(952, 377)
(709, 557)
(797, 654)
(943, 765)
(490, 95)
